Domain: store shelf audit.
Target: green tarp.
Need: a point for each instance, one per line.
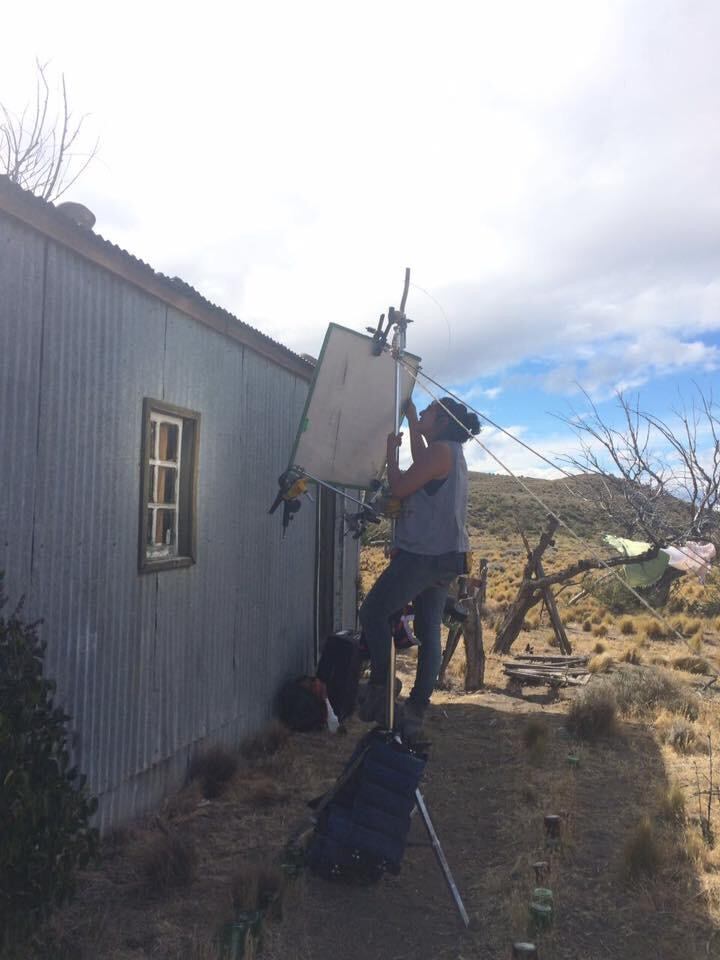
(643, 574)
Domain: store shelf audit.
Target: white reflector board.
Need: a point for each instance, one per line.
(350, 410)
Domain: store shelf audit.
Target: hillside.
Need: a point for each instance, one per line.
(498, 503)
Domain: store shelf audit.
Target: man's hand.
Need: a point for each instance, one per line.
(393, 442)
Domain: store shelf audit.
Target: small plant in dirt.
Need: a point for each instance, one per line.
(45, 810)
(593, 713)
(627, 627)
(642, 852)
(165, 858)
(213, 770)
(600, 630)
(535, 737)
(599, 647)
(587, 626)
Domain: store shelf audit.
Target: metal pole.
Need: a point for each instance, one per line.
(440, 855)
(398, 347)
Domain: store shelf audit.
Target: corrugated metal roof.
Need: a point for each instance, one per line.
(47, 219)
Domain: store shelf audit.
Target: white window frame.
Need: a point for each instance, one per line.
(182, 552)
(155, 551)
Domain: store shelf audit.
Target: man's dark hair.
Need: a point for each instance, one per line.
(468, 419)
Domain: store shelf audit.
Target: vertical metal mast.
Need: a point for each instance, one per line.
(400, 322)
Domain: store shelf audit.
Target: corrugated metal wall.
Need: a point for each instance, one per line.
(148, 665)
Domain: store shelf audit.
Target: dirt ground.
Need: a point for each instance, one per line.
(488, 789)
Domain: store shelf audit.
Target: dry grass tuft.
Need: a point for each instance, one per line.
(692, 664)
(265, 744)
(599, 647)
(535, 737)
(645, 690)
(165, 859)
(627, 627)
(632, 656)
(601, 663)
(680, 734)
(213, 769)
(587, 626)
(655, 630)
(600, 631)
(672, 804)
(264, 792)
(642, 853)
(593, 713)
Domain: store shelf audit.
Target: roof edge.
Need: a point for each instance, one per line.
(43, 217)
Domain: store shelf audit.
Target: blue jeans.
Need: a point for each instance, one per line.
(424, 580)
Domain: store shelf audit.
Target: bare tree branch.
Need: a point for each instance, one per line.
(36, 146)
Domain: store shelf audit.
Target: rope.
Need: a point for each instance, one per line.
(539, 500)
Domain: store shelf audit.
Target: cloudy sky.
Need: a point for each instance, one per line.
(549, 171)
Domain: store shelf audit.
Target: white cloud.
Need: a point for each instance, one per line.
(548, 171)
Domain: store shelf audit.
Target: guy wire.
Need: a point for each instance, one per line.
(535, 453)
(555, 516)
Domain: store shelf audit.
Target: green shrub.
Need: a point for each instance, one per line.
(44, 807)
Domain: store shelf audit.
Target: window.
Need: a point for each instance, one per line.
(168, 486)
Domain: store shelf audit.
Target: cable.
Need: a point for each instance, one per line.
(535, 453)
(552, 513)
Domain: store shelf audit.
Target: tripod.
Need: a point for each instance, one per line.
(399, 321)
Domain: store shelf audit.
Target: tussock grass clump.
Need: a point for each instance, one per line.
(213, 769)
(645, 690)
(693, 627)
(672, 804)
(593, 713)
(265, 744)
(627, 627)
(660, 661)
(600, 631)
(166, 859)
(600, 663)
(692, 664)
(535, 737)
(655, 630)
(599, 647)
(587, 626)
(642, 853)
(632, 656)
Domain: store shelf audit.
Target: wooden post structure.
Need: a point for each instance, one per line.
(471, 595)
(529, 595)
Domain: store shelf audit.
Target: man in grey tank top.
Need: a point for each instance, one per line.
(429, 551)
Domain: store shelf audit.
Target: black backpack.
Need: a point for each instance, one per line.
(339, 669)
(299, 708)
